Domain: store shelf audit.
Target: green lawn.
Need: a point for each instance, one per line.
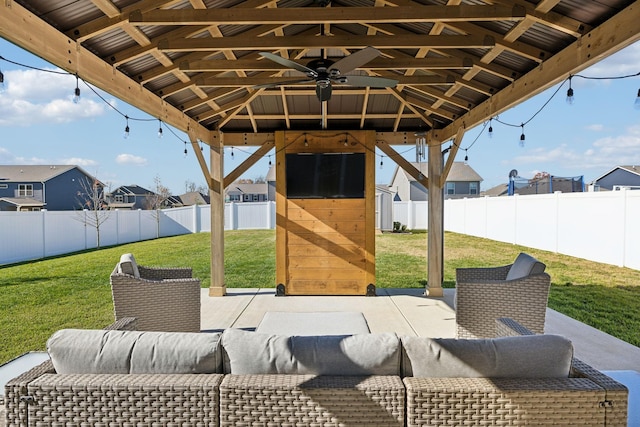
(69, 291)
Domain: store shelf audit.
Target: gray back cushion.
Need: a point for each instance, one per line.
(84, 351)
(254, 353)
(525, 265)
(128, 266)
(533, 356)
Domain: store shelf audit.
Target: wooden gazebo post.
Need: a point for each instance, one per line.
(217, 287)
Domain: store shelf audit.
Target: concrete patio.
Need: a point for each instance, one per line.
(406, 312)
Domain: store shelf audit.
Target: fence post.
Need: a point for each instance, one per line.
(44, 233)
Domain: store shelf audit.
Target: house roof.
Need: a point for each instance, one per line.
(23, 201)
(260, 188)
(196, 64)
(133, 189)
(459, 171)
(631, 169)
(33, 173)
(193, 198)
(498, 190)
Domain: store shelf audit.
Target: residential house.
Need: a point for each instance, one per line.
(194, 198)
(136, 197)
(52, 187)
(498, 190)
(462, 181)
(242, 193)
(619, 177)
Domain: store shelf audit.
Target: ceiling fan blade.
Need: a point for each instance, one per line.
(283, 83)
(368, 81)
(288, 63)
(356, 59)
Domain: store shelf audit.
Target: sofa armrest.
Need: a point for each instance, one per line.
(157, 273)
(482, 273)
(616, 394)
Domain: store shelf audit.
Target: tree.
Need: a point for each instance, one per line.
(91, 200)
(260, 180)
(157, 201)
(191, 187)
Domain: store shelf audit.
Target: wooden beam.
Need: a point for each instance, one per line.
(250, 161)
(452, 156)
(216, 81)
(406, 63)
(217, 287)
(310, 42)
(435, 236)
(201, 161)
(403, 163)
(334, 15)
(613, 35)
(26, 30)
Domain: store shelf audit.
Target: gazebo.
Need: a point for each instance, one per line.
(365, 74)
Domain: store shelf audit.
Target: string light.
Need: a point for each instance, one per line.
(636, 104)
(466, 156)
(231, 152)
(306, 143)
(76, 92)
(522, 136)
(159, 128)
(570, 98)
(1, 79)
(490, 128)
(185, 149)
(126, 128)
(381, 163)
(269, 160)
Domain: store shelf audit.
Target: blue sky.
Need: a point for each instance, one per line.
(40, 124)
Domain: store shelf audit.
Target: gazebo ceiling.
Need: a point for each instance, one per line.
(196, 64)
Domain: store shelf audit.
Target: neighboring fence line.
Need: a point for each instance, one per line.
(598, 226)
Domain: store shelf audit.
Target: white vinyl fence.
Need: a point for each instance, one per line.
(33, 235)
(600, 226)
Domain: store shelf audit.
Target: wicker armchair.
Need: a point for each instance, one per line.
(162, 299)
(519, 291)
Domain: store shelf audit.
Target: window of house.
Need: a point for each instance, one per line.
(473, 188)
(25, 190)
(4, 186)
(451, 188)
(246, 197)
(234, 198)
(119, 198)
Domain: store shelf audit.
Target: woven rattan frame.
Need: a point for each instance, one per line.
(162, 299)
(484, 295)
(307, 400)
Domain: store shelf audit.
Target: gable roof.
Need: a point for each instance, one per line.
(133, 189)
(459, 171)
(33, 173)
(634, 169)
(197, 64)
(193, 198)
(260, 188)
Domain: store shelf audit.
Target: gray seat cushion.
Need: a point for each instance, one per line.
(313, 323)
(532, 356)
(524, 265)
(88, 351)
(255, 353)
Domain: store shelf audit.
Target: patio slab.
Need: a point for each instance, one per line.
(406, 312)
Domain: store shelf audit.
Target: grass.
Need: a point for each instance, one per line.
(72, 291)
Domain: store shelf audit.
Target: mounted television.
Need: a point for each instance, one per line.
(325, 175)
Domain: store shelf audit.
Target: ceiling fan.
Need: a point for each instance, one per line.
(326, 72)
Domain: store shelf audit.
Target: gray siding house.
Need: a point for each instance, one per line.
(53, 187)
(620, 176)
(462, 181)
(243, 193)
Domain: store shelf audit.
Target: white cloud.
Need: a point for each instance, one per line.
(130, 159)
(36, 97)
(624, 62)
(603, 153)
(79, 161)
(595, 127)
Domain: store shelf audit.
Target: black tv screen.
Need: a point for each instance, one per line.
(325, 175)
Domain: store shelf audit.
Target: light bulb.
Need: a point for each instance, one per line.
(381, 164)
(126, 128)
(522, 139)
(160, 129)
(570, 97)
(76, 95)
(490, 131)
(636, 104)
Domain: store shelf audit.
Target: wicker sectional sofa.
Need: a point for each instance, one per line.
(373, 380)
